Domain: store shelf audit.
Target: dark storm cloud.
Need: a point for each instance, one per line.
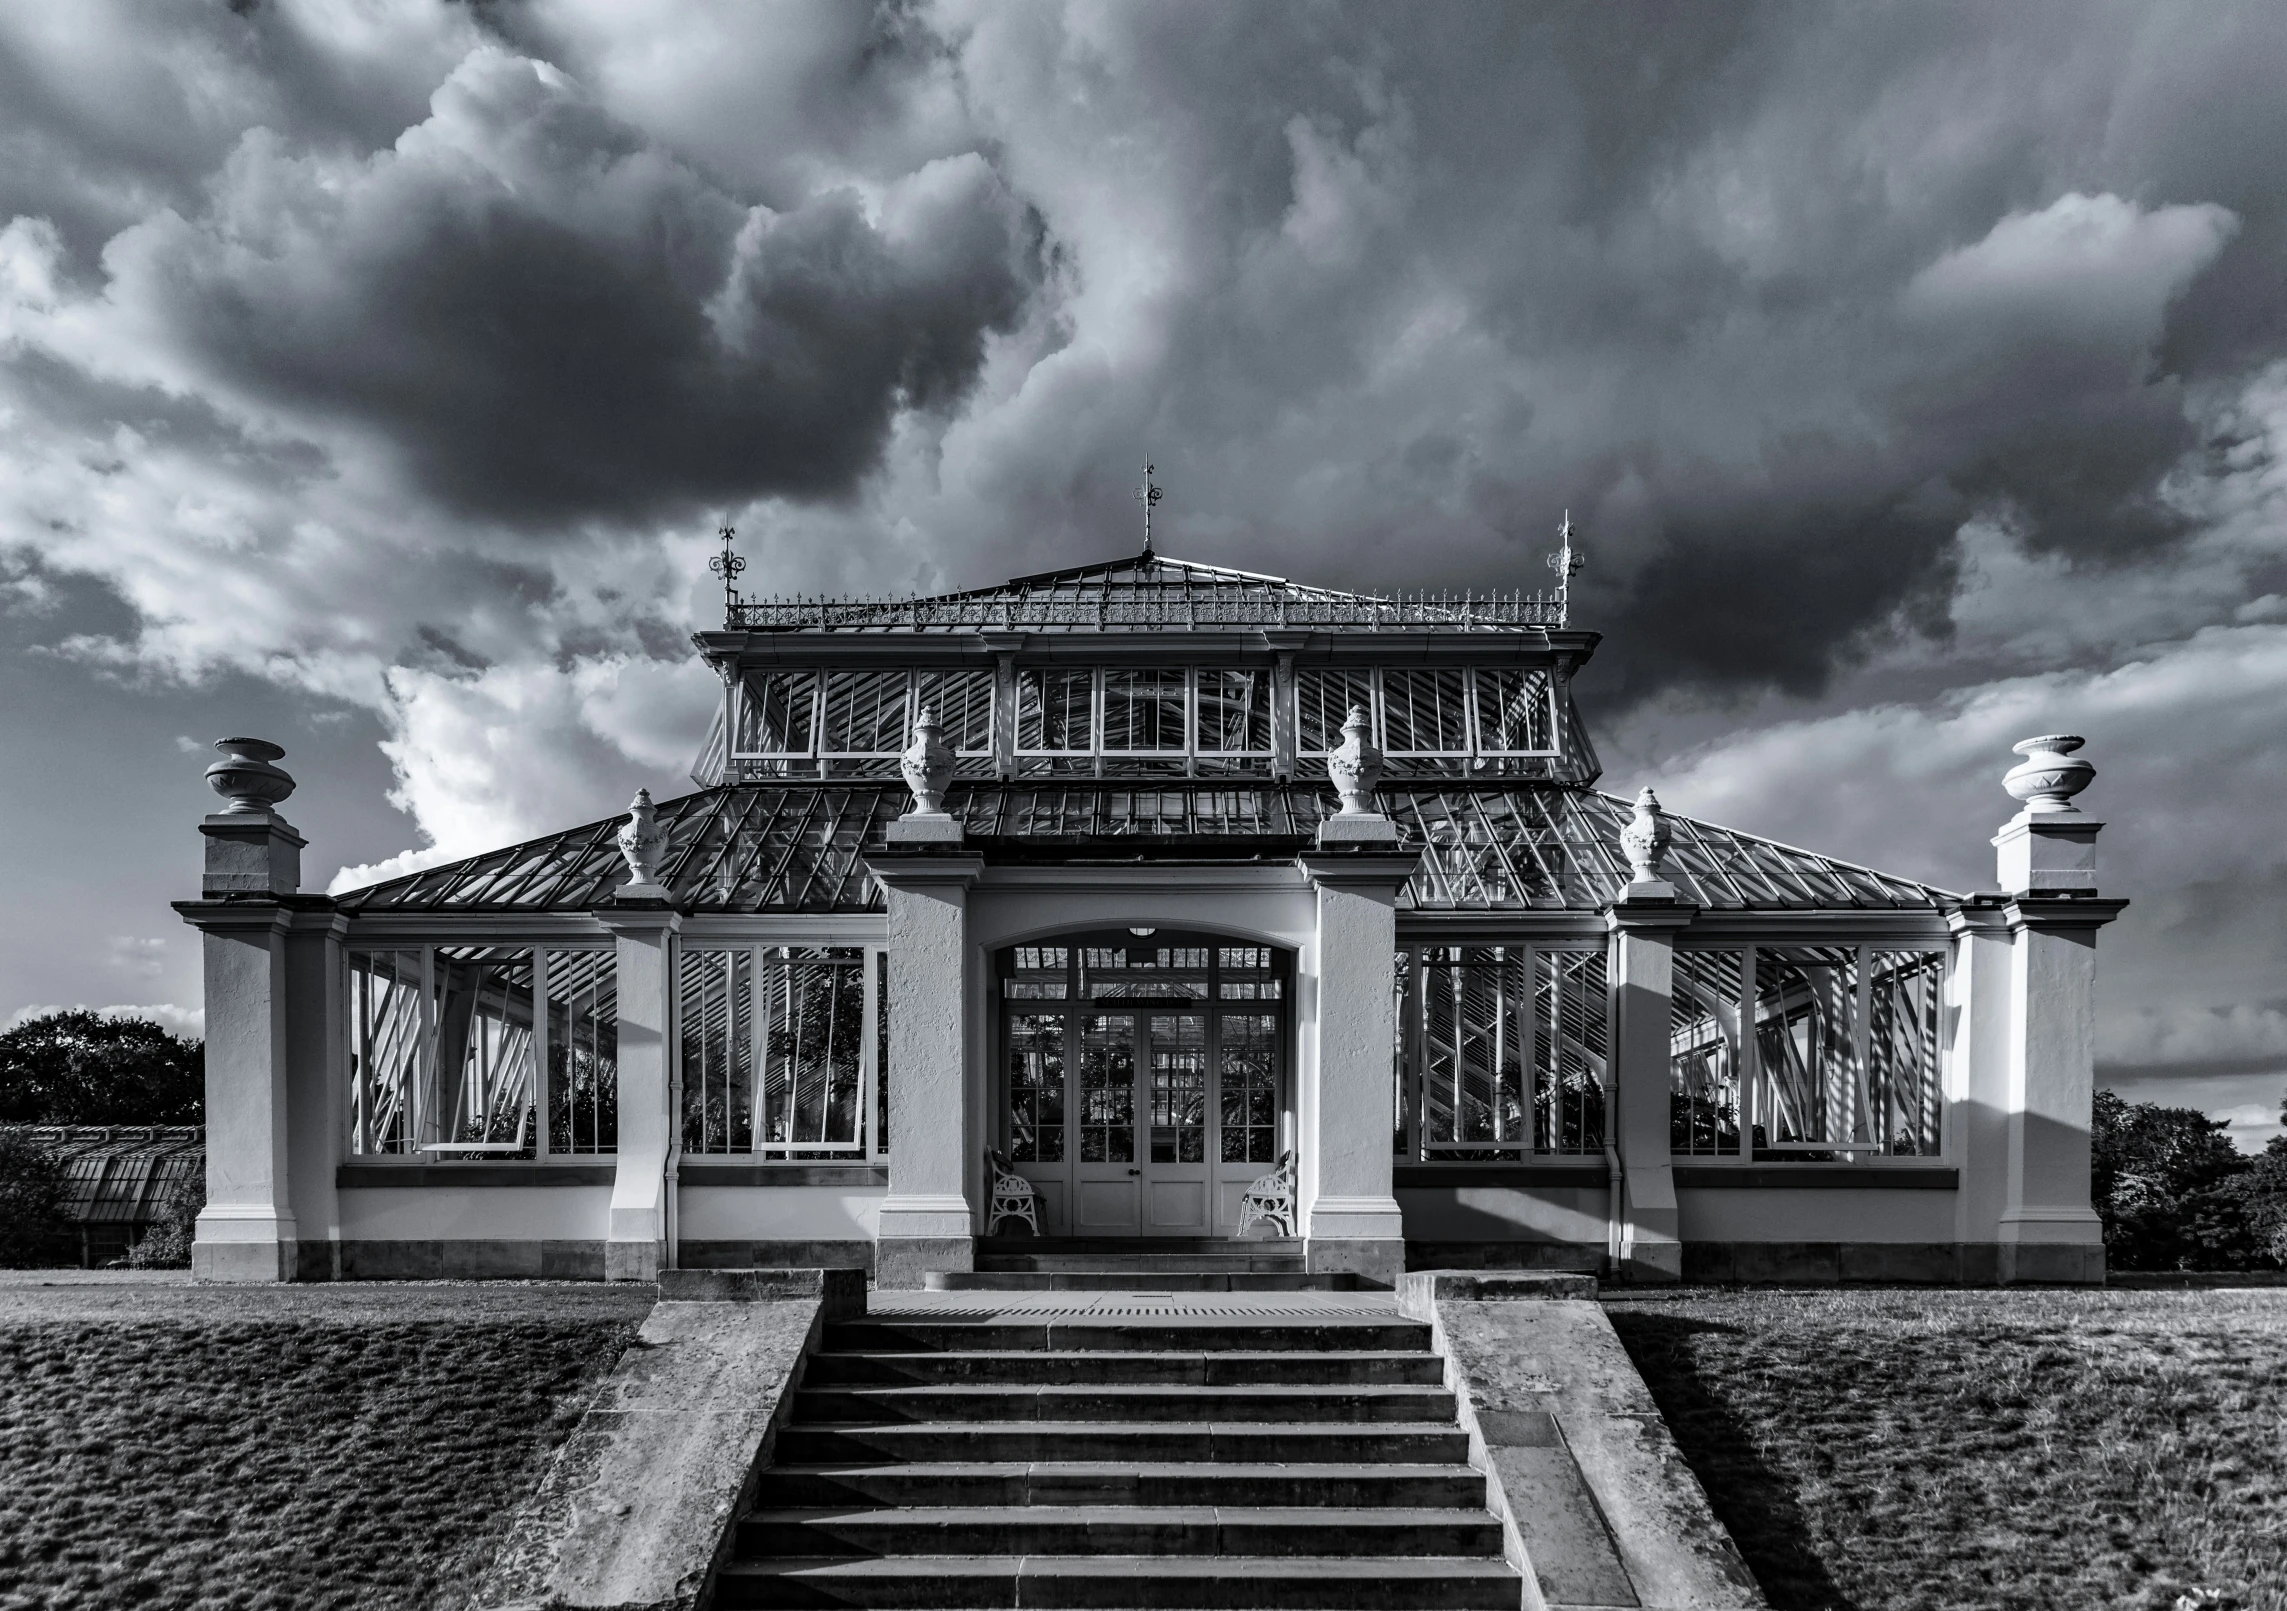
(1773, 298)
(549, 318)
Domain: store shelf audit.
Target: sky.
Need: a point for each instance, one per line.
(373, 379)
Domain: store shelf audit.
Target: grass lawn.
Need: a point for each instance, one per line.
(165, 1445)
(1900, 1450)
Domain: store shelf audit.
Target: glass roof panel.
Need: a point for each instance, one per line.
(801, 848)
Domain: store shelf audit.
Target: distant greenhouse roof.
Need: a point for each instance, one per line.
(1152, 592)
(794, 847)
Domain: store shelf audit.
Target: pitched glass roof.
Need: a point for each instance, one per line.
(1151, 592)
(801, 848)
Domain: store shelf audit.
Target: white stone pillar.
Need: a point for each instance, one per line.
(928, 1219)
(1644, 918)
(253, 868)
(1346, 1107)
(645, 924)
(1644, 921)
(2048, 1229)
(247, 1230)
(1978, 997)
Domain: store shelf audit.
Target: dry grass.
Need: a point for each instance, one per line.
(176, 1447)
(1904, 1451)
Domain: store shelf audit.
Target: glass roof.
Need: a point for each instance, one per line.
(1152, 592)
(792, 847)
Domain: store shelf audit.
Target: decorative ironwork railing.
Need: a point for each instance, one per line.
(1153, 609)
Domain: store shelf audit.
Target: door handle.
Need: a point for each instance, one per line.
(1135, 1171)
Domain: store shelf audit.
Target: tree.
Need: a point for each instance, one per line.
(33, 1229)
(80, 1068)
(2170, 1188)
(167, 1245)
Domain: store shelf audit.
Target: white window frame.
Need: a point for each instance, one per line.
(817, 713)
(1101, 706)
(1198, 734)
(1086, 751)
(1478, 727)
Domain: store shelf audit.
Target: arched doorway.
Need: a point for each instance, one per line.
(1143, 1077)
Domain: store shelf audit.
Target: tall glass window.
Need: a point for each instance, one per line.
(1055, 711)
(863, 714)
(1234, 712)
(715, 1015)
(1322, 703)
(962, 702)
(583, 1051)
(778, 712)
(1806, 1052)
(1425, 712)
(1144, 711)
(1514, 714)
(1508, 1052)
(813, 1041)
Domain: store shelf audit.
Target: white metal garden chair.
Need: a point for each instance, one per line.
(1270, 1200)
(1012, 1197)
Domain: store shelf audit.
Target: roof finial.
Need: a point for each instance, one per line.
(727, 565)
(1147, 495)
(1566, 562)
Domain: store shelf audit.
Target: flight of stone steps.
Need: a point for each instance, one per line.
(1066, 1460)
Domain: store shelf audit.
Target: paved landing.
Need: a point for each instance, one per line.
(1140, 1304)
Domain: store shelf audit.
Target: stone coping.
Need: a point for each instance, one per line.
(636, 1509)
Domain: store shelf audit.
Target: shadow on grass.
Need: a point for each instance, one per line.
(1755, 1503)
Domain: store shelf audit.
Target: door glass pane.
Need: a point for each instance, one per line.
(1249, 1088)
(1108, 1089)
(1179, 1089)
(1036, 1088)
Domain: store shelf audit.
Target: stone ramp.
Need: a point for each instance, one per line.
(1122, 1449)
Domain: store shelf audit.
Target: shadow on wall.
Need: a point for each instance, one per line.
(1756, 1503)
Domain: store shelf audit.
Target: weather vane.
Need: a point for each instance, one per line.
(727, 565)
(1147, 495)
(1566, 562)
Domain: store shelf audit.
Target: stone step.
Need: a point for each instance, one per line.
(1051, 1529)
(1078, 1482)
(1141, 1264)
(1120, 1247)
(1080, 1583)
(1128, 1280)
(1175, 1334)
(1229, 1367)
(993, 1402)
(1127, 1442)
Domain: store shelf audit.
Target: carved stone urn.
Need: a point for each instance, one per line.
(1355, 766)
(642, 841)
(2050, 775)
(928, 766)
(246, 779)
(1646, 838)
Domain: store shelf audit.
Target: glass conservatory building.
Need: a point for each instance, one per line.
(1194, 891)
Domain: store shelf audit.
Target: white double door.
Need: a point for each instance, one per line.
(1143, 1120)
